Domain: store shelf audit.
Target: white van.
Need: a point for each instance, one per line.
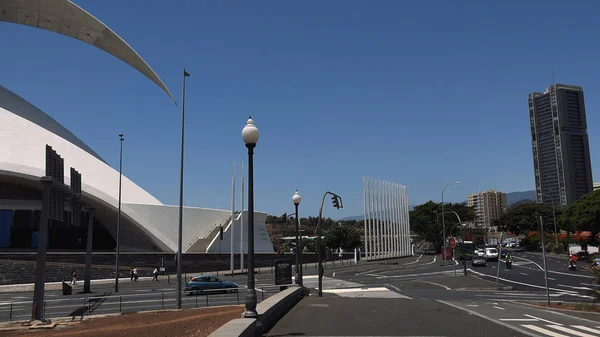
(491, 254)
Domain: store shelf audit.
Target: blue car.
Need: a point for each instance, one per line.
(198, 284)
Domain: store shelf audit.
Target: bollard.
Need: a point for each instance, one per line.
(237, 293)
(120, 301)
(207, 300)
(10, 314)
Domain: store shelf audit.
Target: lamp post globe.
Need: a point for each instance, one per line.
(250, 132)
(296, 198)
(250, 136)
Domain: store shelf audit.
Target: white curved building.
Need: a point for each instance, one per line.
(146, 225)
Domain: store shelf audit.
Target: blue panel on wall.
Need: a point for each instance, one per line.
(5, 225)
(35, 239)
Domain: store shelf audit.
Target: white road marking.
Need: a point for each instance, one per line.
(499, 308)
(518, 320)
(550, 278)
(544, 331)
(585, 328)
(570, 331)
(415, 261)
(377, 275)
(569, 292)
(434, 259)
(391, 286)
(591, 285)
(436, 284)
(541, 319)
(506, 325)
(523, 273)
(472, 305)
(566, 286)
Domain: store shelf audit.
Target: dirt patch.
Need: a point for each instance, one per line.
(188, 323)
(587, 307)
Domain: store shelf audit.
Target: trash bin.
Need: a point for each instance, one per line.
(66, 289)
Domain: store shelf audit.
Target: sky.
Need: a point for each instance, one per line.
(420, 93)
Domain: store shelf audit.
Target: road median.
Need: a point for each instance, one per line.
(269, 312)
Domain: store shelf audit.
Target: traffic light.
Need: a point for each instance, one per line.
(336, 202)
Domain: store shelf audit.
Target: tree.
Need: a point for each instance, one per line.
(582, 215)
(428, 226)
(344, 237)
(525, 217)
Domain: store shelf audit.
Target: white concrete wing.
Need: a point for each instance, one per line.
(66, 18)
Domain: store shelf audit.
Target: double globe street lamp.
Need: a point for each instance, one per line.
(250, 136)
(296, 200)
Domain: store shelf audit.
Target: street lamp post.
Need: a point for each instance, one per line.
(180, 227)
(462, 238)
(296, 200)
(444, 255)
(553, 218)
(121, 139)
(250, 136)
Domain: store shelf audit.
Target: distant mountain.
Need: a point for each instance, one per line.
(513, 199)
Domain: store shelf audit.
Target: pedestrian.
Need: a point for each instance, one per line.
(74, 277)
(155, 275)
(131, 273)
(135, 274)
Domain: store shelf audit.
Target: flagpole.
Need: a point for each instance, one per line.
(242, 224)
(232, 227)
(179, 239)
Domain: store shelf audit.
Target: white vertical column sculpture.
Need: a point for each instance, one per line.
(391, 220)
(373, 223)
(370, 205)
(405, 228)
(365, 229)
(396, 220)
(398, 207)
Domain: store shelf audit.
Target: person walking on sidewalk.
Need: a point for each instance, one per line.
(131, 273)
(135, 274)
(74, 277)
(155, 273)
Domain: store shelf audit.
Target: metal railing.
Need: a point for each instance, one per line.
(107, 304)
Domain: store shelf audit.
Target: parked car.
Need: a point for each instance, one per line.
(491, 254)
(198, 284)
(478, 261)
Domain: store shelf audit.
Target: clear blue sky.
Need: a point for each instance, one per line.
(420, 93)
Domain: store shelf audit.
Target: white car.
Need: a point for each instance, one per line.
(480, 252)
(491, 254)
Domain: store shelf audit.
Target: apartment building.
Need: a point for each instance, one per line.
(488, 206)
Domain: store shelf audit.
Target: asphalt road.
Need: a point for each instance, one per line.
(416, 278)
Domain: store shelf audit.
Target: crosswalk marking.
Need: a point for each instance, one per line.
(585, 328)
(570, 331)
(541, 319)
(542, 330)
